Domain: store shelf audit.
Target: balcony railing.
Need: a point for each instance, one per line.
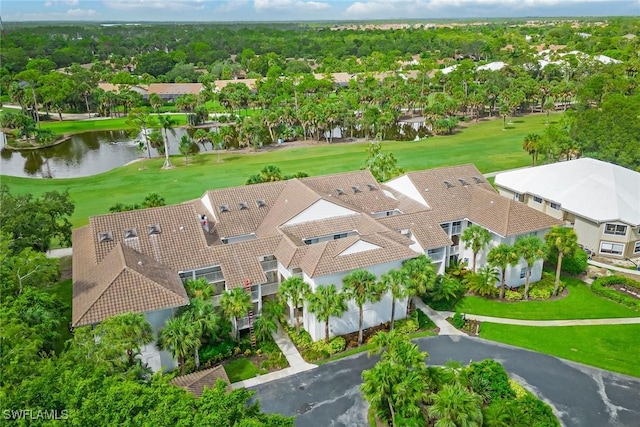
(255, 295)
(454, 250)
(436, 255)
(212, 277)
(269, 289)
(243, 322)
(456, 229)
(216, 300)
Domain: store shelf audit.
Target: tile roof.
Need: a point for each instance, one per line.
(125, 281)
(197, 381)
(175, 88)
(241, 261)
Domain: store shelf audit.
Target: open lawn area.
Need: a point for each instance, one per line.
(581, 303)
(485, 144)
(611, 347)
(118, 123)
(241, 369)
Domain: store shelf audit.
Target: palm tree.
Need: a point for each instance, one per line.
(132, 330)
(325, 302)
(187, 146)
(180, 338)
(361, 286)
(501, 257)
(201, 136)
(155, 101)
(202, 315)
(264, 326)
(235, 304)
(420, 276)
(475, 238)
(530, 145)
(394, 282)
(565, 241)
(454, 405)
(167, 123)
(532, 249)
(294, 290)
(483, 282)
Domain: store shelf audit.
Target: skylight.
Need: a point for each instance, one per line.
(260, 203)
(153, 229)
(463, 181)
(243, 206)
(372, 187)
(340, 191)
(130, 233)
(448, 184)
(105, 236)
(355, 188)
(478, 180)
(224, 208)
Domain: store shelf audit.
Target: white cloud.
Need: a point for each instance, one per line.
(292, 6)
(178, 5)
(69, 15)
(233, 5)
(50, 3)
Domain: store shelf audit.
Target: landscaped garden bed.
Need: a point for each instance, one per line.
(468, 326)
(619, 289)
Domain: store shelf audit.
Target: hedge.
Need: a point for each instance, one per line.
(601, 286)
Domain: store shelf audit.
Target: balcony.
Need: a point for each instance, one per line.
(211, 277)
(255, 295)
(436, 254)
(243, 322)
(269, 265)
(456, 229)
(269, 288)
(216, 300)
(454, 250)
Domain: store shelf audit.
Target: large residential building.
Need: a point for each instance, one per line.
(600, 200)
(319, 228)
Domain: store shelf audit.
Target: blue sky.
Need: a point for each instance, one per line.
(296, 10)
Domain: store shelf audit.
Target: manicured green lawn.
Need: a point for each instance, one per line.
(484, 144)
(610, 347)
(70, 126)
(240, 370)
(581, 303)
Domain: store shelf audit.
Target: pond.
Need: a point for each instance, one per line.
(84, 154)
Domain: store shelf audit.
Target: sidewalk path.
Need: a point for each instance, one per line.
(439, 318)
(613, 267)
(59, 253)
(570, 322)
(296, 362)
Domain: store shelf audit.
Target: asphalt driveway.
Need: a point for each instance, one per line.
(580, 396)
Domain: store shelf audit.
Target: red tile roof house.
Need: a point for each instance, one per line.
(319, 228)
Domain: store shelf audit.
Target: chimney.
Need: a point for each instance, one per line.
(204, 221)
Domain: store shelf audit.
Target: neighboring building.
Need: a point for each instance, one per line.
(600, 200)
(172, 91)
(196, 382)
(109, 87)
(319, 228)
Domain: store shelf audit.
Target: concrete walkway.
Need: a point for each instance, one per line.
(571, 322)
(59, 253)
(296, 362)
(439, 318)
(613, 267)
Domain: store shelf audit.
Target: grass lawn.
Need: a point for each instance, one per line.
(484, 144)
(581, 303)
(63, 292)
(610, 347)
(241, 369)
(118, 123)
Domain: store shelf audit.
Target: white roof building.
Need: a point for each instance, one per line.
(601, 200)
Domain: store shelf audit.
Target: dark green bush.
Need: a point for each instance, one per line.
(217, 351)
(601, 286)
(457, 320)
(424, 322)
(494, 379)
(536, 412)
(576, 263)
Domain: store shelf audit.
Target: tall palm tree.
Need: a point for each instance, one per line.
(483, 282)
(294, 290)
(531, 249)
(565, 241)
(167, 123)
(179, 337)
(199, 288)
(325, 302)
(394, 282)
(235, 304)
(530, 145)
(362, 287)
(420, 276)
(475, 238)
(202, 315)
(454, 405)
(132, 330)
(501, 257)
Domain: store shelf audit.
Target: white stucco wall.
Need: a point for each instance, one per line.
(373, 314)
(321, 209)
(404, 185)
(149, 354)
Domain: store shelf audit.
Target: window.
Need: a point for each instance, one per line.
(636, 248)
(339, 236)
(310, 241)
(516, 197)
(611, 248)
(555, 206)
(615, 229)
(537, 199)
(523, 272)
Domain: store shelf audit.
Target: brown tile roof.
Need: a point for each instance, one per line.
(241, 261)
(221, 84)
(363, 224)
(356, 190)
(125, 281)
(247, 207)
(423, 226)
(180, 244)
(175, 88)
(197, 381)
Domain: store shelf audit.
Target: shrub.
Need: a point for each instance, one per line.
(337, 345)
(457, 320)
(216, 352)
(492, 376)
(510, 295)
(300, 338)
(540, 293)
(534, 411)
(407, 326)
(423, 320)
(575, 263)
(601, 287)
